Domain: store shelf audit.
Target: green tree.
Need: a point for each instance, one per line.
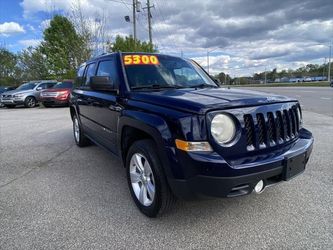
(223, 78)
(128, 44)
(8, 67)
(32, 64)
(62, 47)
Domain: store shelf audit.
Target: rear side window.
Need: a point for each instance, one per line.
(50, 85)
(108, 68)
(89, 73)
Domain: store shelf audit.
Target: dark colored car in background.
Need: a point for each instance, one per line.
(179, 134)
(6, 88)
(58, 95)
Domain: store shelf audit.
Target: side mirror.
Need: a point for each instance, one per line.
(103, 83)
(39, 88)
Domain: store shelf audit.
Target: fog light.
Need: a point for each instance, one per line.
(259, 187)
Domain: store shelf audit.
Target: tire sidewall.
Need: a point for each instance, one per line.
(141, 148)
(26, 102)
(80, 131)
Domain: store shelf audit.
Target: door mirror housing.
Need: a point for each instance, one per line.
(103, 83)
(39, 88)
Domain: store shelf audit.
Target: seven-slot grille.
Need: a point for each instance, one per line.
(271, 128)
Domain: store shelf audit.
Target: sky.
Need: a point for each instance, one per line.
(241, 36)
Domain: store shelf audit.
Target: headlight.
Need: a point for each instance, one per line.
(223, 128)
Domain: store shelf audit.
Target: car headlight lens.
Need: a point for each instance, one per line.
(223, 128)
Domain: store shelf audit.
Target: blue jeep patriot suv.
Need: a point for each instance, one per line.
(181, 135)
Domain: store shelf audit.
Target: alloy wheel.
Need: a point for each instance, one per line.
(142, 179)
(76, 130)
(31, 102)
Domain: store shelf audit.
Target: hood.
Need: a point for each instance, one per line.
(203, 100)
(15, 92)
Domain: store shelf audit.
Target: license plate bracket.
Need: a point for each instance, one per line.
(293, 166)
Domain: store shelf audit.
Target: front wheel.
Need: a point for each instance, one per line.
(30, 102)
(146, 179)
(79, 137)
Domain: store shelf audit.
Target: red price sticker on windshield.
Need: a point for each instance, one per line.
(141, 60)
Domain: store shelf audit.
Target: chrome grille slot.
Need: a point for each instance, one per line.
(262, 134)
(250, 132)
(280, 132)
(286, 125)
(271, 128)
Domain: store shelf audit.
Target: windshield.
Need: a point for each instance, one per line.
(63, 85)
(27, 86)
(160, 71)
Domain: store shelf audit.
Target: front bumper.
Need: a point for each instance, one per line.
(209, 175)
(54, 101)
(12, 101)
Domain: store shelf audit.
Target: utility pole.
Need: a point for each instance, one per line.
(149, 20)
(208, 62)
(265, 76)
(134, 20)
(329, 64)
(324, 68)
(209, 51)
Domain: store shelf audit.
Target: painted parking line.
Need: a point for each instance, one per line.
(325, 98)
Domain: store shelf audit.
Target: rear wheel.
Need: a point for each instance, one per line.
(146, 179)
(30, 102)
(79, 137)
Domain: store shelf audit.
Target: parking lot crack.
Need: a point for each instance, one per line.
(42, 164)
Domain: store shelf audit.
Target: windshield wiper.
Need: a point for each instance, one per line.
(157, 86)
(202, 85)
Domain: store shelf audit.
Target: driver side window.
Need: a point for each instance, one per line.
(42, 86)
(90, 71)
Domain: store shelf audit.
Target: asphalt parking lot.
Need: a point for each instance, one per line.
(315, 99)
(55, 195)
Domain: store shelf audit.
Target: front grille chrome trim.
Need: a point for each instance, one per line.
(268, 129)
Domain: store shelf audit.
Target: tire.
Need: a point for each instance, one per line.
(30, 102)
(10, 106)
(142, 155)
(79, 137)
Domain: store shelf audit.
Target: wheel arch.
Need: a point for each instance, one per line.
(72, 111)
(31, 96)
(144, 126)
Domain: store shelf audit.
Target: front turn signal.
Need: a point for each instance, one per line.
(193, 146)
